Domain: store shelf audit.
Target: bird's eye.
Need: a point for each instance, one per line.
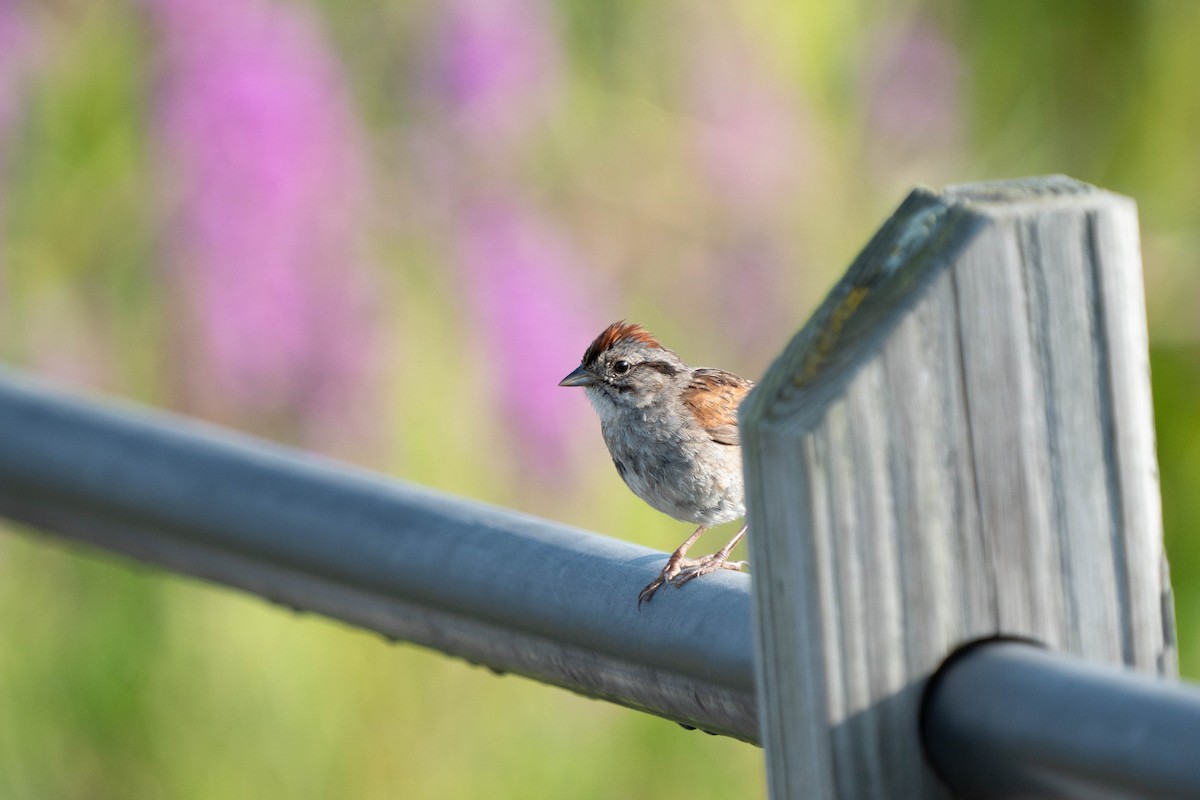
(621, 367)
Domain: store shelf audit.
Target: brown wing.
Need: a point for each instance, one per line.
(714, 396)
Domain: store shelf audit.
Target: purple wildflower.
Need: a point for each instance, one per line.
(911, 90)
(748, 283)
(535, 317)
(14, 56)
(495, 65)
(264, 155)
(746, 130)
(15, 50)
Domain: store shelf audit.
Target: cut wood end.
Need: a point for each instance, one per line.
(924, 235)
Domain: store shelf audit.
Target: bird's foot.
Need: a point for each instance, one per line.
(679, 571)
(668, 573)
(695, 567)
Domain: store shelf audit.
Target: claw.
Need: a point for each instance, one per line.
(677, 572)
(705, 565)
(680, 570)
(647, 594)
(666, 576)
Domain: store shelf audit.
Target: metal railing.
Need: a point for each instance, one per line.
(1008, 720)
(492, 586)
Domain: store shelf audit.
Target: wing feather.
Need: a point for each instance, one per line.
(713, 396)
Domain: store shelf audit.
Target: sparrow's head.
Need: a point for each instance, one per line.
(626, 366)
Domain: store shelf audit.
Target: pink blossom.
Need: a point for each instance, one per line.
(911, 90)
(15, 50)
(746, 128)
(535, 316)
(495, 65)
(264, 158)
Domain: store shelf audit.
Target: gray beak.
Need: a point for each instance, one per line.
(580, 377)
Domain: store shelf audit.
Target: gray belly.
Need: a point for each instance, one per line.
(694, 482)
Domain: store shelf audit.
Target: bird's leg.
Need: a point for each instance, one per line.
(672, 568)
(695, 567)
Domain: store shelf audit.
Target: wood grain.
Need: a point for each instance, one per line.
(958, 445)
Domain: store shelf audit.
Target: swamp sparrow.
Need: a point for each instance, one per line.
(672, 433)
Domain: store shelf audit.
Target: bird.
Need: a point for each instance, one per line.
(671, 430)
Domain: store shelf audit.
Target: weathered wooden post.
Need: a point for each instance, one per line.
(959, 445)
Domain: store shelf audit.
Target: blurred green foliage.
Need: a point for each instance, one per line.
(117, 681)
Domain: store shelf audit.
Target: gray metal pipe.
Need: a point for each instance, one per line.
(492, 586)
(1010, 720)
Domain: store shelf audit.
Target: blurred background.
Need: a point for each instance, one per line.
(384, 230)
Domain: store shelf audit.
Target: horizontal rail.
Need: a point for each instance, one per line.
(1010, 720)
(510, 591)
